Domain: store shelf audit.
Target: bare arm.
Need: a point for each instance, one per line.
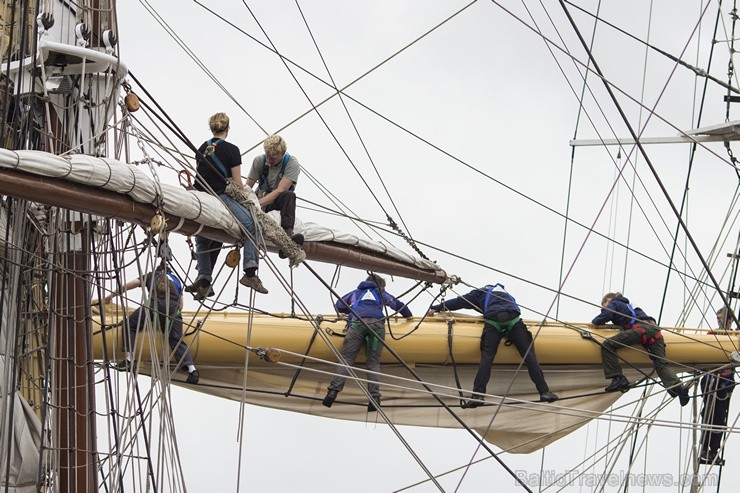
(236, 176)
(136, 283)
(250, 183)
(284, 185)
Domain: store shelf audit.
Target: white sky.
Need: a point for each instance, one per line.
(486, 90)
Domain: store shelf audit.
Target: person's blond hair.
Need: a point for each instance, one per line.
(274, 144)
(218, 122)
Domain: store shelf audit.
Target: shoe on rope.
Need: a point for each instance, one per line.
(123, 365)
(474, 401)
(193, 377)
(202, 289)
(331, 396)
(373, 405)
(619, 384)
(548, 397)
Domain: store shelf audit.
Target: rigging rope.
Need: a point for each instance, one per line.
(667, 196)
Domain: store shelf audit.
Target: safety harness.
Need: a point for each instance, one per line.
(264, 185)
(169, 276)
(650, 334)
(370, 334)
(176, 281)
(503, 327)
(211, 152)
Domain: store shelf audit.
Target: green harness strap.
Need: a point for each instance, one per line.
(371, 336)
(170, 317)
(504, 327)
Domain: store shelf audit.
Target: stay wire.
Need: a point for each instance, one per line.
(538, 31)
(614, 86)
(603, 79)
(645, 156)
(692, 154)
(432, 393)
(462, 162)
(408, 238)
(197, 61)
(581, 110)
(164, 118)
(698, 71)
(334, 136)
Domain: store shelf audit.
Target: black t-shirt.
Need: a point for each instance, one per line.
(209, 171)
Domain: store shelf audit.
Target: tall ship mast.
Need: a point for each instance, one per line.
(96, 173)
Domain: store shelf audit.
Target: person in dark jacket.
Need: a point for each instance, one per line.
(635, 327)
(716, 389)
(165, 300)
(365, 302)
(503, 319)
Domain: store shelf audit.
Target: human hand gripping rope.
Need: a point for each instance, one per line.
(270, 228)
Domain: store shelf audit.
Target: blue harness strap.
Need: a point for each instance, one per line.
(634, 315)
(489, 293)
(361, 296)
(503, 327)
(211, 152)
(264, 185)
(176, 281)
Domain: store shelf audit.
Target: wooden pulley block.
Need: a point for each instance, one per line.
(157, 223)
(272, 355)
(232, 258)
(132, 102)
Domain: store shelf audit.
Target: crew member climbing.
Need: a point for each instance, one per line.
(635, 327)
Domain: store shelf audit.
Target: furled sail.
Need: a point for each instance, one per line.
(121, 190)
(440, 354)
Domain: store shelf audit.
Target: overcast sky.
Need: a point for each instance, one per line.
(499, 111)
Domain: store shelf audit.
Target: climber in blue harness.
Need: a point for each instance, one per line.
(218, 161)
(636, 327)
(502, 320)
(276, 174)
(165, 300)
(367, 302)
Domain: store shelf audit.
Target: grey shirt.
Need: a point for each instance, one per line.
(292, 170)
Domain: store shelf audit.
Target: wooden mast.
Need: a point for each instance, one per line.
(73, 361)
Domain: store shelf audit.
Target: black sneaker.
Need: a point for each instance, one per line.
(475, 401)
(683, 395)
(711, 458)
(548, 397)
(193, 377)
(619, 384)
(123, 365)
(331, 396)
(373, 405)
